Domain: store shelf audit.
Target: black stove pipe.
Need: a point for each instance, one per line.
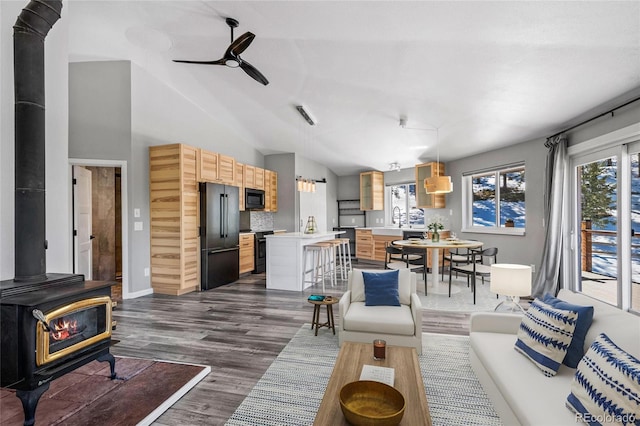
(29, 32)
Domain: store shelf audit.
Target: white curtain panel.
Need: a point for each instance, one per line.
(549, 278)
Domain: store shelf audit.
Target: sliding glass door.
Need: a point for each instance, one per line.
(605, 225)
(634, 216)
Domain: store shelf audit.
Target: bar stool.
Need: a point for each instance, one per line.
(320, 257)
(337, 258)
(343, 252)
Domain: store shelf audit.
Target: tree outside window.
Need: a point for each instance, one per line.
(498, 198)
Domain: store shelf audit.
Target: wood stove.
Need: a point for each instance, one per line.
(51, 323)
(51, 329)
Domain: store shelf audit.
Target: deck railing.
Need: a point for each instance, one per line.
(588, 250)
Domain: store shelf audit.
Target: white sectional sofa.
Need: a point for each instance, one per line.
(520, 393)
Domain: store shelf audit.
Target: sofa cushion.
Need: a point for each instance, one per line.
(545, 334)
(398, 319)
(357, 285)
(534, 398)
(585, 318)
(606, 384)
(381, 288)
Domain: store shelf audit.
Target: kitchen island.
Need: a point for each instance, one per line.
(284, 258)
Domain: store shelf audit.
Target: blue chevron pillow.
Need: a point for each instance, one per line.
(606, 386)
(545, 334)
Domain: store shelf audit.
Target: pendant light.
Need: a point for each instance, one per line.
(438, 184)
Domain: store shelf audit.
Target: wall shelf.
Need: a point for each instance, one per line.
(349, 209)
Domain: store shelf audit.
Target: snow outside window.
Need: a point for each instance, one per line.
(494, 201)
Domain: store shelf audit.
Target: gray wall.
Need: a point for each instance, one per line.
(118, 111)
(284, 165)
(525, 249)
(100, 110)
(288, 167)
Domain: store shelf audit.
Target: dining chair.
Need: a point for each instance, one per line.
(393, 257)
(458, 256)
(477, 267)
(416, 259)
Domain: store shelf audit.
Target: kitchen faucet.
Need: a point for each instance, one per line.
(393, 215)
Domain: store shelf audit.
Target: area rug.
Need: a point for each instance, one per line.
(290, 391)
(142, 391)
(461, 299)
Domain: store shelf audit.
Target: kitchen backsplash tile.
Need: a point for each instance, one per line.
(261, 221)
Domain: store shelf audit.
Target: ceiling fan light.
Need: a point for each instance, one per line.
(232, 63)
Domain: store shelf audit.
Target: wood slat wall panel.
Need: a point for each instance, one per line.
(173, 192)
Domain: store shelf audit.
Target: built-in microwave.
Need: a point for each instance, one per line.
(253, 199)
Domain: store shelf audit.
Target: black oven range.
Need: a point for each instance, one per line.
(260, 254)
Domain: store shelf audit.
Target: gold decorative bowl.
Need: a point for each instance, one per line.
(370, 403)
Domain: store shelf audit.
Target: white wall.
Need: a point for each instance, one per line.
(58, 222)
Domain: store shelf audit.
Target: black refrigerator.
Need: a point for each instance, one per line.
(219, 235)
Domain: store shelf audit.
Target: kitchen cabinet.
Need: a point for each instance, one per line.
(259, 178)
(380, 244)
(364, 244)
(226, 169)
(372, 191)
(240, 184)
(207, 166)
(173, 206)
(247, 247)
(249, 176)
(424, 200)
(271, 191)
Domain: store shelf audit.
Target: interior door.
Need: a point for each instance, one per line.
(314, 204)
(82, 241)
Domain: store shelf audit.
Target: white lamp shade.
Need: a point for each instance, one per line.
(511, 280)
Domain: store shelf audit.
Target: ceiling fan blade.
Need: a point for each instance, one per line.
(218, 62)
(253, 72)
(240, 44)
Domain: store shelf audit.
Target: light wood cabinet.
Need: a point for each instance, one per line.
(364, 244)
(226, 169)
(207, 166)
(249, 176)
(259, 178)
(173, 202)
(247, 253)
(424, 200)
(379, 245)
(271, 191)
(240, 184)
(372, 191)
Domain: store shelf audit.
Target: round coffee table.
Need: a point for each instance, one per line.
(328, 301)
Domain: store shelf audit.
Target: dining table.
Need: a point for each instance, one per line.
(438, 287)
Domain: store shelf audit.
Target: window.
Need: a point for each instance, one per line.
(605, 206)
(402, 206)
(494, 200)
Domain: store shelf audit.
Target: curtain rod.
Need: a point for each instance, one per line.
(611, 111)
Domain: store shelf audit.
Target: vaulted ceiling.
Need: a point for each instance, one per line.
(485, 74)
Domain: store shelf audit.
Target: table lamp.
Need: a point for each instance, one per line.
(512, 281)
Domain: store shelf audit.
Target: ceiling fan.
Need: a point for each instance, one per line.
(232, 58)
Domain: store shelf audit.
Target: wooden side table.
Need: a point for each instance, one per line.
(328, 301)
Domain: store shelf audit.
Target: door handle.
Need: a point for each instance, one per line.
(91, 237)
(221, 215)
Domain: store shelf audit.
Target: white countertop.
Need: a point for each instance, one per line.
(302, 235)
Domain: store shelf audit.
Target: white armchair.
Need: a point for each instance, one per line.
(398, 325)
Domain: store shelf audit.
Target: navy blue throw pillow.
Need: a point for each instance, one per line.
(381, 288)
(585, 318)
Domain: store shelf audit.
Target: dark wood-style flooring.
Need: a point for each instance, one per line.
(237, 329)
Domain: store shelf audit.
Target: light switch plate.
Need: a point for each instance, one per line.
(137, 226)
(136, 212)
